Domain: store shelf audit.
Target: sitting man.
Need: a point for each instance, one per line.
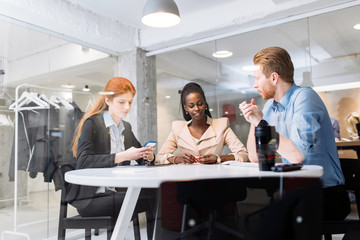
(303, 123)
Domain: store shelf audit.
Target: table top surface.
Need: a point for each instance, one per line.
(352, 143)
(152, 177)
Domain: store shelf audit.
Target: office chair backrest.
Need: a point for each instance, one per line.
(64, 169)
(296, 216)
(351, 171)
(211, 193)
(78, 222)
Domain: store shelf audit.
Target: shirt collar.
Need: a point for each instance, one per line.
(284, 102)
(109, 121)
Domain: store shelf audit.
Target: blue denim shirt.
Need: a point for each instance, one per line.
(301, 116)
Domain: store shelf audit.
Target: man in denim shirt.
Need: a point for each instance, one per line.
(303, 123)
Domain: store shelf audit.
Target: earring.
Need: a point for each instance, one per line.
(186, 112)
(206, 108)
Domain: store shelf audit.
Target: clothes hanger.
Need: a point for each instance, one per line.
(60, 99)
(52, 103)
(26, 98)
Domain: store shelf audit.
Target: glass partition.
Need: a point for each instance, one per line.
(225, 82)
(325, 53)
(53, 82)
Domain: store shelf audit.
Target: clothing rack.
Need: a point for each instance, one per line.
(16, 110)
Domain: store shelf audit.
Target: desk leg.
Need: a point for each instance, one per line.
(126, 212)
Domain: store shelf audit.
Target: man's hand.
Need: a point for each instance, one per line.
(252, 113)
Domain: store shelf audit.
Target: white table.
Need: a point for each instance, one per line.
(137, 177)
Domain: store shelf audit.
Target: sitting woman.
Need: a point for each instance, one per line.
(200, 138)
(352, 123)
(103, 139)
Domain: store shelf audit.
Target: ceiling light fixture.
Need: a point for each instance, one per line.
(70, 86)
(250, 68)
(86, 88)
(160, 13)
(222, 54)
(357, 26)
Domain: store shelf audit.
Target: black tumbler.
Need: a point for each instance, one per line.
(267, 140)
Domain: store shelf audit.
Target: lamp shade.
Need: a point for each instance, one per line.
(160, 13)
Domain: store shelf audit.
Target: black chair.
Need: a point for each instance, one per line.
(87, 223)
(349, 227)
(210, 195)
(297, 215)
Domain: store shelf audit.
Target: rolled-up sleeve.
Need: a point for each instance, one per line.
(306, 128)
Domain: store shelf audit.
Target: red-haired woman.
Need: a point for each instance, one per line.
(103, 139)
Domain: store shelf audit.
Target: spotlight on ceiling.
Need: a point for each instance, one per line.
(68, 85)
(86, 88)
(222, 54)
(160, 13)
(357, 26)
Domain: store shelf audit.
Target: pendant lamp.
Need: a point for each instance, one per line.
(160, 13)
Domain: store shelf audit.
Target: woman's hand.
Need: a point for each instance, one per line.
(149, 154)
(185, 158)
(208, 158)
(133, 153)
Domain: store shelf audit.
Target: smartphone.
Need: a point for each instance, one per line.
(286, 167)
(150, 144)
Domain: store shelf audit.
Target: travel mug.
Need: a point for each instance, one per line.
(267, 140)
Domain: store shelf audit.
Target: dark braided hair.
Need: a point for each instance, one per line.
(192, 87)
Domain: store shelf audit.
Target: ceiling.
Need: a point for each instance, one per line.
(216, 24)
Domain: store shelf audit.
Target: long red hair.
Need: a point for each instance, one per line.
(116, 86)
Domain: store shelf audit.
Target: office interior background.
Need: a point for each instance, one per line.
(55, 60)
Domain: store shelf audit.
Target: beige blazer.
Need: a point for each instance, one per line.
(213, 141)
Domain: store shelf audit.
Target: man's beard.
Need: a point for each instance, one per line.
(268, 94)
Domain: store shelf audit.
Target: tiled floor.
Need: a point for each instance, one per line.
(31, 215)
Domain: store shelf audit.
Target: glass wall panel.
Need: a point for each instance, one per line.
(225, 82)
(46, 77)
(336, 63)
(325, 53)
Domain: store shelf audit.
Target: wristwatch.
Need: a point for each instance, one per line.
(263, 123)
(218, 160)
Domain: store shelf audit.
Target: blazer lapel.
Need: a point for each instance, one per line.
(208, 139)
(185, 140)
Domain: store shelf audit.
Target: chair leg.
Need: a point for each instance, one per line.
(150, 224)
(192, 230)
(109, 232)
(228, 230)
(136, 228)
(183, 222)
(211, 224)
(96, 232)
(61, 232)
(88, 234)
